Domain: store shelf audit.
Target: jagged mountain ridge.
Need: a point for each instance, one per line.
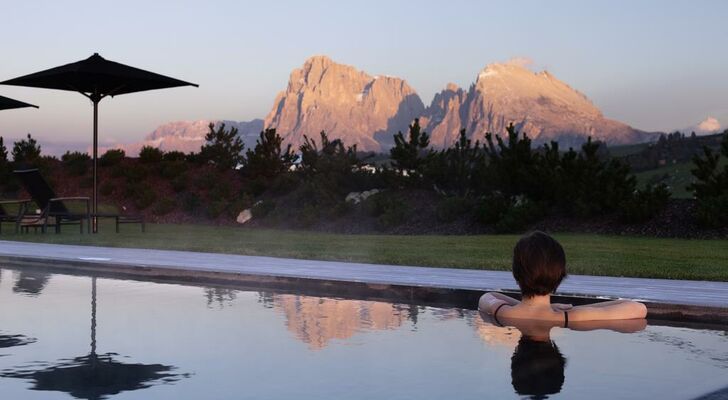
(368, 110)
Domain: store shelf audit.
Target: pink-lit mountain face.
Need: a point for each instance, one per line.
(368, 110)
(346, 103)
(536, 103)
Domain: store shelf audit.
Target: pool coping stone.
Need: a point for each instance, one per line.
(674, 300)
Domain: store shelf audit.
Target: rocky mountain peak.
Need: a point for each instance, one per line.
(536, 102)
(343, 101)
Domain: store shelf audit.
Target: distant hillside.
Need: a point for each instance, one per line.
(189, 136)
(668, 150)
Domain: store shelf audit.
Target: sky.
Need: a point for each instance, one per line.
(655, 65)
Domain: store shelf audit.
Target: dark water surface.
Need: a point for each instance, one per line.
(64, 336)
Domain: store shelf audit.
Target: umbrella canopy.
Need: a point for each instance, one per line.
(14, 340)
(96, 78)
(7, 103)
(93, 376)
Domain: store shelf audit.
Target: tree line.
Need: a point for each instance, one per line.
(505, 181)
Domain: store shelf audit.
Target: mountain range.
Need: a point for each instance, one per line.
(368, 110)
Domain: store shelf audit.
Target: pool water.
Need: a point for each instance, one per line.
(69, 336)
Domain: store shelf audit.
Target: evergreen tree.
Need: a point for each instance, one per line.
(513, 166)
(457, 170)
(76, 162)
(150, 155)
(3, 152)
(26, 151)
(603, 186)
(4, 163)
(331, 158)
(268, 159)
(411, 154)
(224, 148)
(711, 186)
(327, 173)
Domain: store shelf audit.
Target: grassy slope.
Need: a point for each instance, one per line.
(676, 176)
(587, 254)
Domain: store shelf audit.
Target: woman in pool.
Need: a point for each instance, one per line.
(539, 266)
(537, 364)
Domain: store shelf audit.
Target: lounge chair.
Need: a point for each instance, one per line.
(7, 216)
(54, 208)
(51, 208)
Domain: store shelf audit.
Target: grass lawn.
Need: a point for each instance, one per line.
(586, 254)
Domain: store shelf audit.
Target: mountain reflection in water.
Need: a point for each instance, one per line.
(267, 344)
(316, 321)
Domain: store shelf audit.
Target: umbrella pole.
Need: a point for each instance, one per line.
(95, 205)
(93, 316)
(92, 356)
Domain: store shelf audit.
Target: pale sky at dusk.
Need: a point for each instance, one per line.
(656, 65)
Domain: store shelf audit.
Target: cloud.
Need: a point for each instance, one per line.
(525, 62)
(710, 124)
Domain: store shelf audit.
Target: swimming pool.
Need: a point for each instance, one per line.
(73, 336)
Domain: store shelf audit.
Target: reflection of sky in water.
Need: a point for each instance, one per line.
(236, 344)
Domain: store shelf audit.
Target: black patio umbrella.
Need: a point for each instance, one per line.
(96, 78)
(9, 340)
(93, 376)
(7, 103)
(14, 340)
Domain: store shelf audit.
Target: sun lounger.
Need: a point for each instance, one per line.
(52, 210)
(56, 211)
(7, 215)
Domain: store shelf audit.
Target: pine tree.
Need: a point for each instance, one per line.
(268, 159)
(3, 152)
(4, 163)
(457, 170)
(513, 165)
(26, 151)
(410, 154)
(711, 186)
(224, 148)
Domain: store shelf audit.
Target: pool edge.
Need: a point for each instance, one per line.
(429, 295)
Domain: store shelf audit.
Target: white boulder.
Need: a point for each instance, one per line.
(244, 216)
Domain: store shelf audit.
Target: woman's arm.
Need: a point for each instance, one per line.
(617, 325)
(609, 310)
(490, 301)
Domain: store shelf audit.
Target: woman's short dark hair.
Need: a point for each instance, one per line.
(539, 264)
